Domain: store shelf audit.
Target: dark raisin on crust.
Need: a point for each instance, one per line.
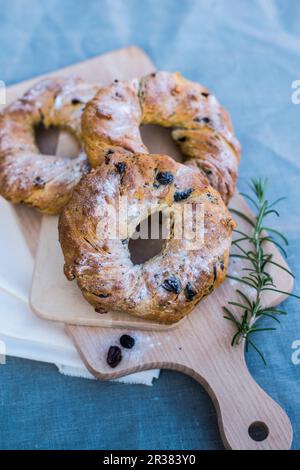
(172, 284)
(114, 356)
(206, 120)
(215, 272)
(127, 341)
(181, 195)
(107, 156)
(189, 292)
(120, 167)
(165, 177)
(76, 101)
(39, 182)
(211, 197)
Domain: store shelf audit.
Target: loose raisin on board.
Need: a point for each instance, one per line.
(127, 341)
(172, 284)
(165, 178)
(114, 356)
(181, 195)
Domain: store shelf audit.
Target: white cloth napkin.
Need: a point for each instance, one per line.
(16, 261)
(22, 333)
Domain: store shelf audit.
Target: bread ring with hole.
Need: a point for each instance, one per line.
(166, 287)
(26, 176)
(200, 125)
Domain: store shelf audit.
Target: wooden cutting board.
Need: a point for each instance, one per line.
(198, 346)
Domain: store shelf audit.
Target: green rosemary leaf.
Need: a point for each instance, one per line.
(244, 297)
(258, 351)
(243, 216)
(254, 330)
(250, 199)
(272, 211)
(231, 316)
(235, 255)
(251, 281)
(234, 278)
(246, 253)
(268, 229)
(260, 187)
(234, 338)
(241, 233)
(277, 201)
(282, 267)
(251, 270)
(268, 315)
(238, 240)
(275, 310)
(238, 305)
(281, 292)
(271, 240)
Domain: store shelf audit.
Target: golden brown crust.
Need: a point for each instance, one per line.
(112, 120)
(26, 176)
(102, 265)
(201, 126)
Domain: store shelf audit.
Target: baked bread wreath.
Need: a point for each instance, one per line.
(169, 285)
(200, 125)
(26, 176)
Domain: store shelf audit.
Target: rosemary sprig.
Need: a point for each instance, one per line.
(256, 275)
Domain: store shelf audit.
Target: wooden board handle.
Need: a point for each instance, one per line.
(249, 419)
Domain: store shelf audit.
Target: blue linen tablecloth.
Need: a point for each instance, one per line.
(248, 53)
